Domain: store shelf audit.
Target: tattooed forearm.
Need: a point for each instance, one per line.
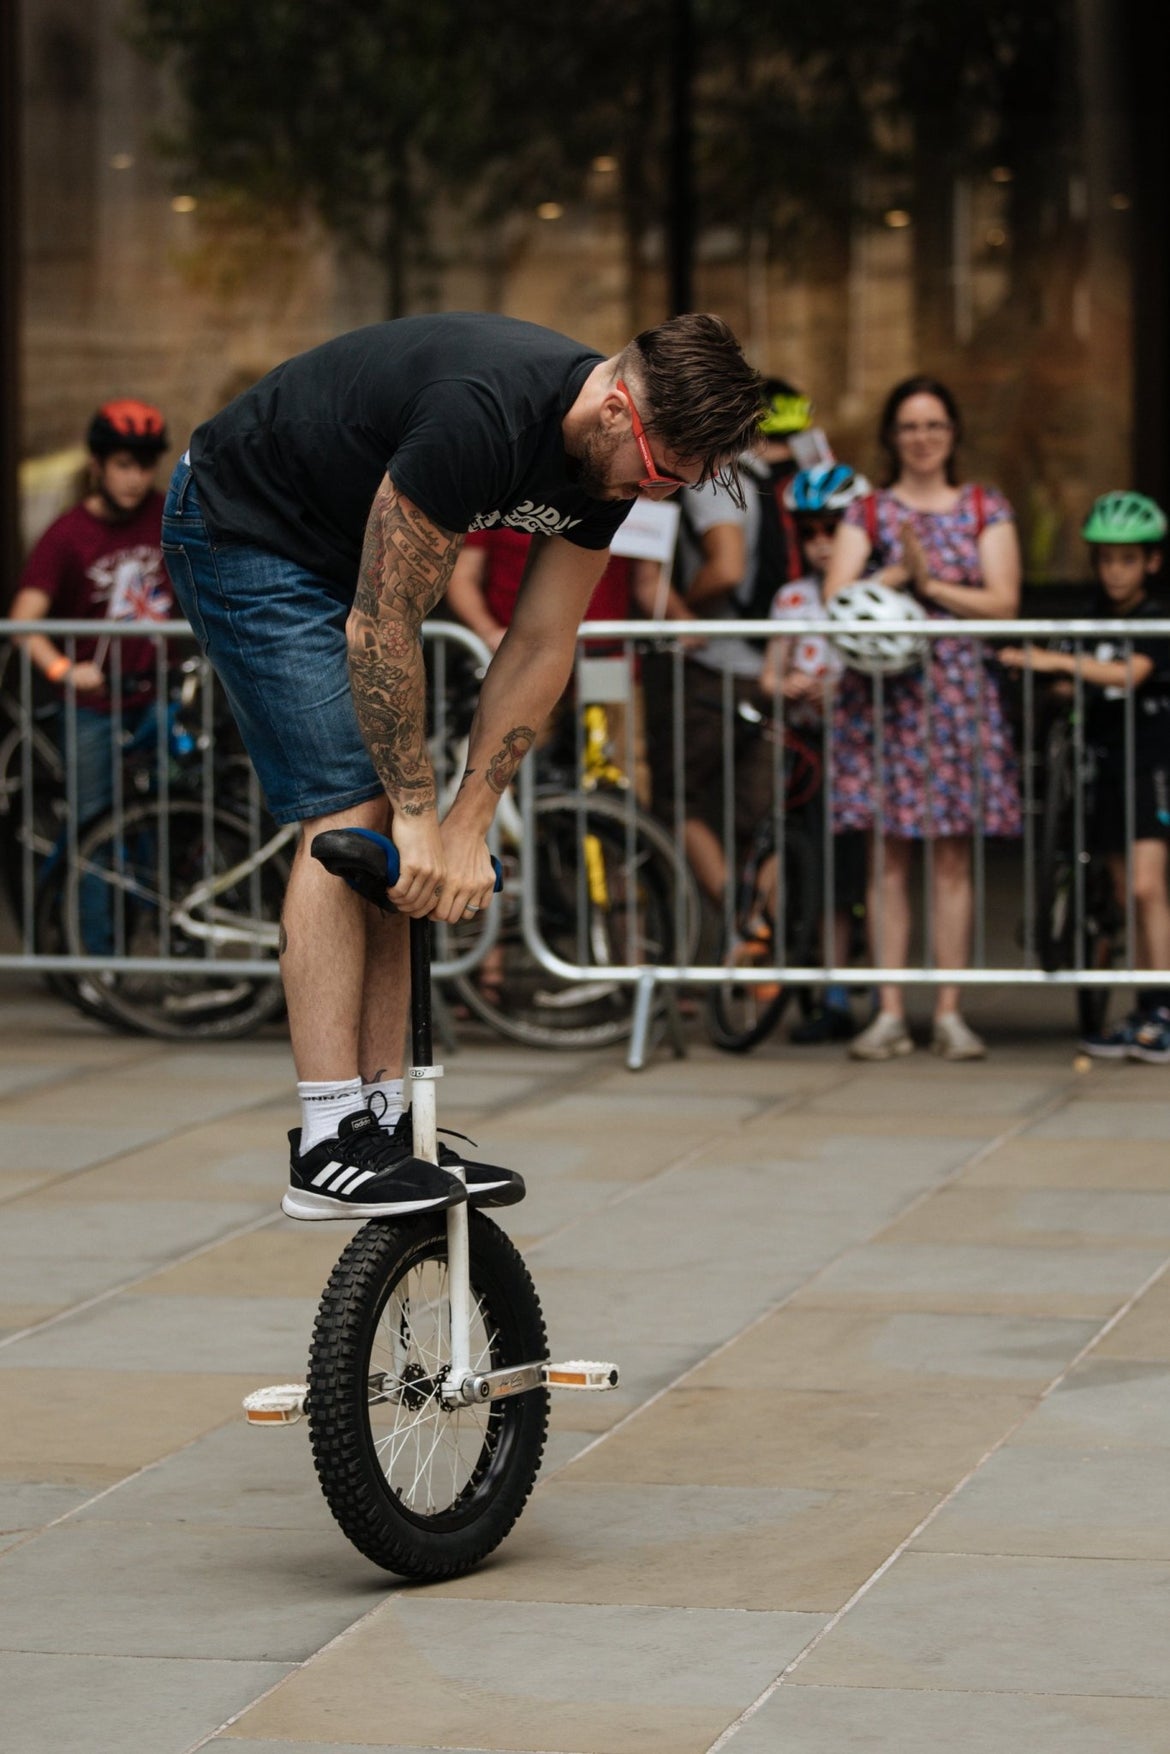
(501, 769)
(406, 562)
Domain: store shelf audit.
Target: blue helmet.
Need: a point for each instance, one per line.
(830, 487)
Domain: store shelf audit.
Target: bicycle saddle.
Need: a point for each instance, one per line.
(368, 862)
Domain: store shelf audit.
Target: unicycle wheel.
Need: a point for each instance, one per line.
(421, 1488)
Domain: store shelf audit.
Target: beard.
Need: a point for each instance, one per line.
(592, 471)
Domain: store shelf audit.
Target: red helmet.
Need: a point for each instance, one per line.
(127, 425)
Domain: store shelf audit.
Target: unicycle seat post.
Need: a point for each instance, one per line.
(422, 1043)
(424, 1075)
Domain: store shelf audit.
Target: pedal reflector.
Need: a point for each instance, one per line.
(581, 1373)
(282, 1404)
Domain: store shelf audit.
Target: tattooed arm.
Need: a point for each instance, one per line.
(406, 562)
(525, 679)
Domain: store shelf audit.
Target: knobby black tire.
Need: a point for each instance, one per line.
(360, 1324)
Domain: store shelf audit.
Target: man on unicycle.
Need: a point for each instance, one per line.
(310, 528)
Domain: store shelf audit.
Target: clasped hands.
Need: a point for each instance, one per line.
(445, 870)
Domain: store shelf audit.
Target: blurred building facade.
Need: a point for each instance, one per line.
(133, 286)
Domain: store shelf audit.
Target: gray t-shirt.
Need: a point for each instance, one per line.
(702, 509)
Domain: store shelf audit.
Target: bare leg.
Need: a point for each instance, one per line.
(323, 960)
(704, 851)
(385, 995)
(953, 906)
(1151, 901)
(888, 903)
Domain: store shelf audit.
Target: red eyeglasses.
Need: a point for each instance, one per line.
(654, 476)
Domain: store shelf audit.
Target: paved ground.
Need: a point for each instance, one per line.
(887, 1471)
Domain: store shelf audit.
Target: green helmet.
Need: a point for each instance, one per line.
(1125, 517)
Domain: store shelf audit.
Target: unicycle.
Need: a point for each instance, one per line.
(429, 1378)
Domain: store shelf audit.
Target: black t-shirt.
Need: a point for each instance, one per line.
(1105, 707)
(463, 410)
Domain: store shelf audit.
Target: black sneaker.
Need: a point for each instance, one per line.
(487, 1183)
(364, 1172)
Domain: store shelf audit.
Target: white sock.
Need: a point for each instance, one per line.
(325, 1106)
(391, 1089)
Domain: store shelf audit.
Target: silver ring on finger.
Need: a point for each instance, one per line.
(469, 910)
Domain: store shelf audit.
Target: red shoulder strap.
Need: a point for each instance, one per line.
(980, 509)
(871, 518)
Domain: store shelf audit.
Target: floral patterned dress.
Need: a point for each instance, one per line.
(948, 762)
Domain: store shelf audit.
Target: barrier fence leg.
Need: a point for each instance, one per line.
(643, 1011)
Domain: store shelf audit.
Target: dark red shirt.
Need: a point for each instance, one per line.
(507, 556)
(92, 570)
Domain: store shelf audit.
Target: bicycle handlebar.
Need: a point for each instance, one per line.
(368, 862)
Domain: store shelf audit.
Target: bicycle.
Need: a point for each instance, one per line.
(169, 875)
(429, 1376)
(1079, 921)
(611, 890)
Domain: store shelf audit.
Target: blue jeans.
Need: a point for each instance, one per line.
(97, 757)
(275, 635)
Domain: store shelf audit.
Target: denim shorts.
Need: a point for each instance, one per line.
(275, 635)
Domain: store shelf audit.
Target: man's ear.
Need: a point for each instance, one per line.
(1154, 560)
(614, 410)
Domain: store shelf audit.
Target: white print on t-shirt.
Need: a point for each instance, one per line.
(811, 653)
(132, 584)
(538, 520)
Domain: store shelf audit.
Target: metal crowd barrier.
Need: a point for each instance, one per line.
(1025, 948)
(107, 888)
(219, 914)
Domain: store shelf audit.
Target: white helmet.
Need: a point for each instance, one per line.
(877, 653)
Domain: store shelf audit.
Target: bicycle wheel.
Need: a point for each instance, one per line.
(82, 991)
(423, 1490)
(1056, 877)
(605, 898)
(141, 867)
(742, 1013)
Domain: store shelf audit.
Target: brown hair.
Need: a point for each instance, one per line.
(702, 396)
(921, 385)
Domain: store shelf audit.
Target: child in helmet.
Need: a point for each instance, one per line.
(1125, 533)
(802, 667)
(102, 561)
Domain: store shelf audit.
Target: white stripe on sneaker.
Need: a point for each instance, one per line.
(354, 1185)
(349, 1178)
(324, 1174)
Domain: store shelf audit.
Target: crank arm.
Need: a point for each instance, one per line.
(521, 1379)
(284, 1403)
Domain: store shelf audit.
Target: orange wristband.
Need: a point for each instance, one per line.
(59, 668)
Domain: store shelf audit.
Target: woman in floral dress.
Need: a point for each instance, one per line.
(947, 765)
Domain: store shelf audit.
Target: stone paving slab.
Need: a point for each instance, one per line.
(1004, 1625)
(848, 1303)
(131, 1705)
(867, 1720)
(590, 1680)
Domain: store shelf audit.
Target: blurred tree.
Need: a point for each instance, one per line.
(369, 114)
(302, 107)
